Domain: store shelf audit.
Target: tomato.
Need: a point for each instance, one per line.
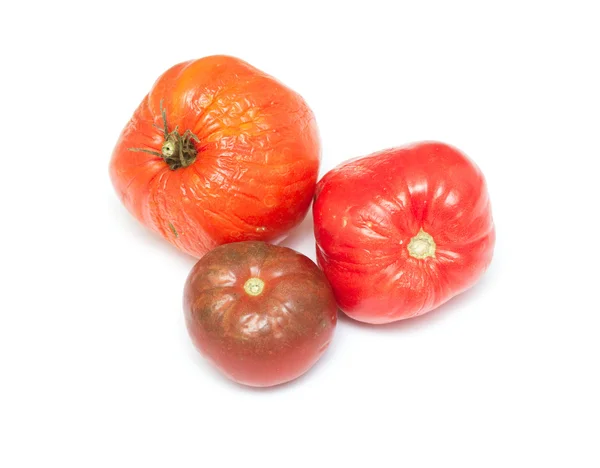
(217, 152)
(402, 231)
(263, 314)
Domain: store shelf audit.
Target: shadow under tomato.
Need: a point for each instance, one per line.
(144, 235)
(438, 314)
(301, 233)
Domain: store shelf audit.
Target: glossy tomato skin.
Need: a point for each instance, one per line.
(257, 159)
(259, 339)
(403, 230)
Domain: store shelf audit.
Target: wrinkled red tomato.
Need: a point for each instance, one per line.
(217, 152)
(262, 314)
(401, 231)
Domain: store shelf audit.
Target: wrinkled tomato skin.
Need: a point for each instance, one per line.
(256, 167)
(261, 340)
(366, 213)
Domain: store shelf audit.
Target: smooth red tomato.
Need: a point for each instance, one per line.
(262, 314)
(401, 231)
(218, 152)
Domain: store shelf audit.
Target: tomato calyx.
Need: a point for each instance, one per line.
(254, 286)
(422, 245)
(178, 150)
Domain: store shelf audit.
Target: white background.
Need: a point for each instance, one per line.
(96, 369)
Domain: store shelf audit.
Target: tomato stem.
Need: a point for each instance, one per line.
(178, 150)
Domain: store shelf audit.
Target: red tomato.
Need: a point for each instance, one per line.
(262, 314)
(217, 152)
(401, 231)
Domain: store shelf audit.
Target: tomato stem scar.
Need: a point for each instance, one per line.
(422, 245)
(254, 286)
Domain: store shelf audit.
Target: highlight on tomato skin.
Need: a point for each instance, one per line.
(262, 314)
(401, 231)
(217, 152)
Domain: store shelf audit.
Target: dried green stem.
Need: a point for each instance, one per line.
(178, 150)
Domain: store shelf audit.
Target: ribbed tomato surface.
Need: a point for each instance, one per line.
(401, 231)
(217, 152)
